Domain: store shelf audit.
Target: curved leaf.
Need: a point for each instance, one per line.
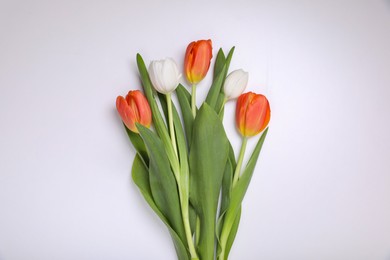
(162, 181)
(238, 193)
(208, 157)
(219, 62)
(226, 187)
(215, 89)
(140, 177)
(184, 98)
(232, 234)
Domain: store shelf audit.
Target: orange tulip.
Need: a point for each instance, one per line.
(252, 114)
(134, 109)
(197, 60)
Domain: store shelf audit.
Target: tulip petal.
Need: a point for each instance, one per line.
(127, 114)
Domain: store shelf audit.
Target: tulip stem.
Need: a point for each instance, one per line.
(171, 128)
(187, 229)
(237, 172)
(193, 100)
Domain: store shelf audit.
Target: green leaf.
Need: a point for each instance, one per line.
(232, 234)
(220, 103)
(219, 62)
(225, 196)
(232, 157)
(227, 182)
(208, 157)
(241, 187)
(219, 79)
(226, 187)
(215, 89)
(228, 60)
(184, 98)
(138, 144)
(238, 193)
(163, 102)
(162, 181)
(185, 92)
(140, 177)
(193, 216)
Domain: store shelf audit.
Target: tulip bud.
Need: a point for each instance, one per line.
(197, 60)
(164, 75)
(134, 109)
(235, 84)
(252, 114)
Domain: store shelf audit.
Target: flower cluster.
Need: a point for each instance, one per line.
(186, 165)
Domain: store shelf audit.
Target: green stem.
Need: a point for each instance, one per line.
(193, 100)
(170, 119)
(187, 228)
(237, 172)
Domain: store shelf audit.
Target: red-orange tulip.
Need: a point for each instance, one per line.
(197, 60)
(134, 109)
(252, 114)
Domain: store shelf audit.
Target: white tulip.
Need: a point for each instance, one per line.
(235, 84)
(164, 75)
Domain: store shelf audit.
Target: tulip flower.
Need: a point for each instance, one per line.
(164, 75)
(252, 114)
(235, 84)
(134, 109)
(196, 64)
(197, 60)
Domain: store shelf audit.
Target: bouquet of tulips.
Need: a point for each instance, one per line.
(185, 166)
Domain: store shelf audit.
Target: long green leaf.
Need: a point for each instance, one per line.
(226, 187)
(238, 193)
(232, 157)
(193, 216)
(241, 187)
(184, 98)
(162, 181)
(186, 93)
(219, 63)
(208, 157)
(220, 102)
(140, 177)
(215, 88)
(228, 60)
(232, 234)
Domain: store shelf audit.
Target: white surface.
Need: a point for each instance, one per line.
(322, 187)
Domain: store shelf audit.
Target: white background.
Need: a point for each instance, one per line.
(321, 190)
